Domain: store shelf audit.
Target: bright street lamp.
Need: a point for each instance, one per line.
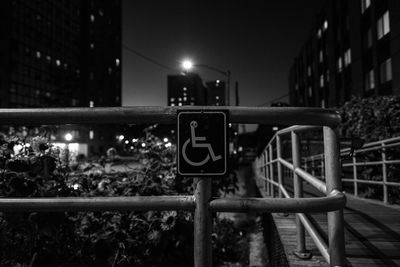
(68, 137)
(188, 65)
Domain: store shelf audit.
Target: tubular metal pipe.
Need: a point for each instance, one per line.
(334, 183)
(202, 223)
(275, 205)
(298, 129)
(286, 163)
(298, 191)
(166, 115)
(279, 166)
(318, 184)
(98, 203)
(316, 237)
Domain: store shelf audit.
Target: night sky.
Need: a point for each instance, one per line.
(256, 40)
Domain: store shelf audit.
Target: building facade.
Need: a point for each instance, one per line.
(186, 90)
(353, 50)
(61, 54)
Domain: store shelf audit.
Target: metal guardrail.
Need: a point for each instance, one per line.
(334, 252)
(381, 147)
(201, 202)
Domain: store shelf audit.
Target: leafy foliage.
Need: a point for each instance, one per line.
(374, 119)
(32, 167)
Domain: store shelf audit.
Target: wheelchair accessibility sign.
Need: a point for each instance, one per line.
(202, 142)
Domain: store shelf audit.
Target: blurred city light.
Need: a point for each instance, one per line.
(187, 65)
(68, 137)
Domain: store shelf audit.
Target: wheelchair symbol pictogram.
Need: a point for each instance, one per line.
(193, 140)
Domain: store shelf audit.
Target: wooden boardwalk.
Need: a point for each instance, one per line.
(372, 233)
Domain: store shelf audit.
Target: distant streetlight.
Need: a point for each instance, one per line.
(187, 65)
(68, 137)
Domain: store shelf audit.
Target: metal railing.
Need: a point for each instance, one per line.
(201, 203)
(355, 162)
(270, 173)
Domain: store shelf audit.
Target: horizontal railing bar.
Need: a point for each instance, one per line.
(371, 182)
(385, 141)
(298, 128)
(318, 184)
(98, 203)
(166, 115)
(367, 163)
(312, 231)
(275, 205)
(284, 192)
(372, 148)
(285, 163)
(268, 163)
(316, 237)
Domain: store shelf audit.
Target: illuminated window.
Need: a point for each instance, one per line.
(325, 25)
(117, 62)
(319, 33)
(91, 17)
(309, 70)
(217, 97)
(58, 62)
(370, 80)
(179, 104)
(180, 99)
(347, 57)
(364, 5)
(38, 54)
(184, 89)
(339, 64)
(91, 45)
(91, 134)
(383, 26)
(184, 98)
(310, 91)
(321, 81)
(172, 99)
(386, 70)
(91, 104)
(321, 56)
(322, 103)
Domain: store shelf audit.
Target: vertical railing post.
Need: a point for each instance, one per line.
(265, 154)
(202, 224)
(333, 183)
(384, 174)
(301, 251)
(355, 177)
(322, 168)
(271, 171)
(312, 166)
(279, 165)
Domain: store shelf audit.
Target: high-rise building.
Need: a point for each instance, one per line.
(61, 54)
(353, 50)
(186, 90)
(215, 91)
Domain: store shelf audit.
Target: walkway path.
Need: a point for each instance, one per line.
(372, 232)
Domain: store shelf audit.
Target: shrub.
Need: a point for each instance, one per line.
(31, 167)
